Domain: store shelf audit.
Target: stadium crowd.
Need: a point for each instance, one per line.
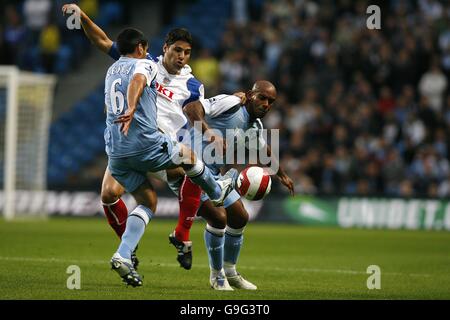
(34, 33)
(361, 112)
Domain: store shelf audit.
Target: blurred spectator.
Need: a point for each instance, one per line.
(206, 69)
(433, 85)
(386, 103)
(90, 7)
(13, 37)
(49, 44)
(232, 71)
(239, 12)
(37, 15)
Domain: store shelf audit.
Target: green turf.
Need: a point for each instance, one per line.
(285, 261)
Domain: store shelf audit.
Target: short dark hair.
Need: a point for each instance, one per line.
(128, 39)
(178, 34)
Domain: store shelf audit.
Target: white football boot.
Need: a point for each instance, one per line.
(220, 283)
(124, 267)
(239, 282)
(227, 183)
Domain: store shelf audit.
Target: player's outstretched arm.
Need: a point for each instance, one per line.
(135, 89)
(194, 112)
(94, 33)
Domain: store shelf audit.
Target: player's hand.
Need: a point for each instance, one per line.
(219, 142)
(125, 120)
(285, 180)
(70, 7)
(241, 95)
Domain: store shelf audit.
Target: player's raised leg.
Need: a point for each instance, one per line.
(189, 200)
(201, 175)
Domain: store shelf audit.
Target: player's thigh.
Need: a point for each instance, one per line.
(167, 155)
(111, 188)
(175, 173)
(237, 215)
(215, 216)
(126, 173)
(184, 157)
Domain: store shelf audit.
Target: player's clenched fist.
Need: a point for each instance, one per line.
(71, 7)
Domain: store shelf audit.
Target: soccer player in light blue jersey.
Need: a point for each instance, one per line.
(225, 226)
(135, 146)
(176, 87)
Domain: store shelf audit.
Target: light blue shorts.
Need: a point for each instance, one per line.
(131, 172)
(229, 200)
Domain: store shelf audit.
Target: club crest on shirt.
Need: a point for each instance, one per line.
(166, 80)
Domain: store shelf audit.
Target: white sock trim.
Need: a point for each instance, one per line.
(110, 204)
(140, 212)
(196, 170)
(234, 232)
(230, 269)
(214, 273)
(215, 231)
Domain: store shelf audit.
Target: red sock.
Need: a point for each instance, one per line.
(189, 201)
(117, 214)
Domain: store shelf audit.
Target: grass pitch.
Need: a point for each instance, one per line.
(285, 261)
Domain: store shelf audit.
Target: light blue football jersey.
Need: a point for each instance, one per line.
(226, 114)
(143, 133)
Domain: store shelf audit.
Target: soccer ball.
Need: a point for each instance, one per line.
(254, 183)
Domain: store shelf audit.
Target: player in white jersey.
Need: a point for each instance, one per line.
(176, 87)
(135, 145)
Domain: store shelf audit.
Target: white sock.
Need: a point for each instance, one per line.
(214, 273)
(230, 269)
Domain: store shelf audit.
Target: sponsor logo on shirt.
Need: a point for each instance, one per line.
(163, 91)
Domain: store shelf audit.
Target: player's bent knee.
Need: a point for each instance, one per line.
(111, 190)
(175, 174)
(237, 216)
(214, 216)
(109, 196)
(187, 158)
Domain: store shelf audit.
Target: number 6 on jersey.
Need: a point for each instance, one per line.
(117, 98)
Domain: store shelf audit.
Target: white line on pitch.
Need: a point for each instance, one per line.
(278, 269)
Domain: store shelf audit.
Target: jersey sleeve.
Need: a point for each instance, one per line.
(147, 68)
(255, 135)
(196, 89)
(217, 105)
(114, 52)
(258, 126)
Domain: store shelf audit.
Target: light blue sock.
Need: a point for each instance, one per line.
(214, 245)
(136, 223)
(201, 175)
(232, 244)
